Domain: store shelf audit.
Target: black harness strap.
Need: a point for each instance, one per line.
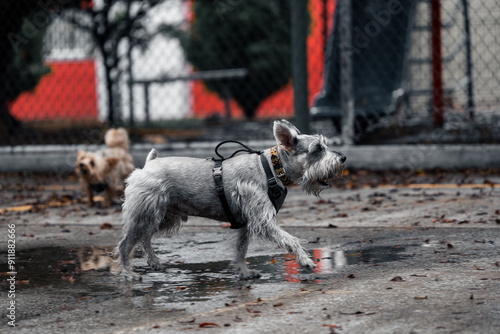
(219, 188)
(98, 187)
(276, 193)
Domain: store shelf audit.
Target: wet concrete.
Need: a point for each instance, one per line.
(199, 283)
(390, 260)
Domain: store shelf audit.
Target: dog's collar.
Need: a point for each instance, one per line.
(278, 167)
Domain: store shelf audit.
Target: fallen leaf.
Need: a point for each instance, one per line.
(278, 304)
(477, 268)
(208, 325)
(416, 297)
(273, 261)
(106, 226)
(353, 313)
(190, 321)
(238, 319)
(351, 276)
(253, 311)
(398, 279)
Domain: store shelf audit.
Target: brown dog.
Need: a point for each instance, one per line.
(104, 170)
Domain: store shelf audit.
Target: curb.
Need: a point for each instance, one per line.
(60, 159)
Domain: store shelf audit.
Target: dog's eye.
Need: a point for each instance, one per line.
(315, 148)
(92, 163)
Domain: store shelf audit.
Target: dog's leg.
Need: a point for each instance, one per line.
(109, 194)
(265, 227)
(291, 244)
(125, 248)
(90, 194)
(153, 260)
(260, 215)
(241, 252)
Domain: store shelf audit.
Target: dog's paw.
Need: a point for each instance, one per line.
(308, 265)
(251, 274)
(130, 276)
(155, 265)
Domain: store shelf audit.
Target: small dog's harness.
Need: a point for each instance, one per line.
(276, 193)
(98, 187)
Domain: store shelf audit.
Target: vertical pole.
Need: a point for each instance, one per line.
(346, 78)
(325, 24)
(130, 85)
(468, 57)
(437, 64)
(227, 97)
(146, 104)
(299, 63)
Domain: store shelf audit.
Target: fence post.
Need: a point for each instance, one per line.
(346, 85)
(437, 64)
(299, 63)
(468, 56)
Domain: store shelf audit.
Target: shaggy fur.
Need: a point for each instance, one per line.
(159, 197)
(106, 168)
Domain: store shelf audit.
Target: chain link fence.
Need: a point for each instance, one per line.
(192, 70)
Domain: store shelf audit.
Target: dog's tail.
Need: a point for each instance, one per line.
(117, 138)
(152, 155)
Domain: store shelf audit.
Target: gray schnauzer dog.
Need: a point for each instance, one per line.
(159, 197)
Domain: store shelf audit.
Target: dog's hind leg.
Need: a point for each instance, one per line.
(241, 252)
(124, 249)
(153, 260)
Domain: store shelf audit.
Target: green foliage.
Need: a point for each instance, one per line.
(254, 35)
(26, 67)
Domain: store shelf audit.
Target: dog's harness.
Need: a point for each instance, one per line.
(98, 187)
(276, 193)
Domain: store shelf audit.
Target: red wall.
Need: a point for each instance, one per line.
(68, 92)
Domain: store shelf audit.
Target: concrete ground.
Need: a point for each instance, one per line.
(417, 254)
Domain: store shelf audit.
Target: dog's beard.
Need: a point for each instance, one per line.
(319, 176)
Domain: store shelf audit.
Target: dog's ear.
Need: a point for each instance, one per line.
(111, 162)
(286, 135)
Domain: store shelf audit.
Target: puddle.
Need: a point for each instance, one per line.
(84, 273)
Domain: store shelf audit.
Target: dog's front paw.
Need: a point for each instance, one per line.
(308, 265)
(250, 274)
(155, 265)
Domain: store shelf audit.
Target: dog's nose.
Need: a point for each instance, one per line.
(343, 158)
(81, 165)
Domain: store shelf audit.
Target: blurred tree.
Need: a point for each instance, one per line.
(111, 23)
(21, 65)
(241, 34)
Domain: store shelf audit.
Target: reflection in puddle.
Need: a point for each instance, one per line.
(83, 272)
(97, 258)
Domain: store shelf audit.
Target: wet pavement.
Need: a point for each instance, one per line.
(412, 258)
